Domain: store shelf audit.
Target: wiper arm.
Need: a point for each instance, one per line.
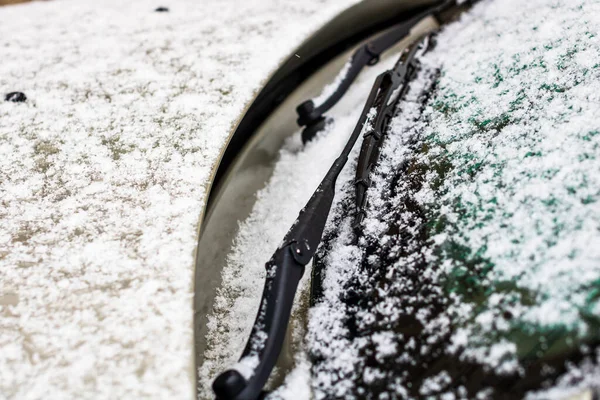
(286, 266)
(312, 116)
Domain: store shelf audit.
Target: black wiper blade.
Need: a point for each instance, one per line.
(286, 266)
(405, 71)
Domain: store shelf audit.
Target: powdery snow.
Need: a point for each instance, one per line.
(102, 175)
(480, 253)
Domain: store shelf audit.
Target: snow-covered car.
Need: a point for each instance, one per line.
(152, 162)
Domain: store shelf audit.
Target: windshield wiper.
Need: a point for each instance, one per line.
(287, 264)
(373, 138)
(312, 116)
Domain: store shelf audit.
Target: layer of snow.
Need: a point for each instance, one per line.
(588, 383)
(329, 337)
(329, 89)
(509, 149)
(102, 175)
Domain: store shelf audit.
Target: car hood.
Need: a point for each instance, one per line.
(104, 174)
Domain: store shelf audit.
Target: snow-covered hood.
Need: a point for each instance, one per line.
(103, 177)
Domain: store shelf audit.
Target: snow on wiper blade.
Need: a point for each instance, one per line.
(385, 106)
(286, 266)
